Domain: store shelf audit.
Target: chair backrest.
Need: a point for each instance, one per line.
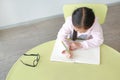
(100, 10)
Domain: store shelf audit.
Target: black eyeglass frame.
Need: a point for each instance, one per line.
(37, 59)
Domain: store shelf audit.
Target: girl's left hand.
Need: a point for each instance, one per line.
(74, 45)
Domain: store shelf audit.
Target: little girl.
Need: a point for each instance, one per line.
(82, 25)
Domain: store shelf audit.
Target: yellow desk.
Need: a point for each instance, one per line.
(109, 69)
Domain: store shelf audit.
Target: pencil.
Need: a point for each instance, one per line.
(66, 47)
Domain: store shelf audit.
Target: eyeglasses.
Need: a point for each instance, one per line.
(35, 62)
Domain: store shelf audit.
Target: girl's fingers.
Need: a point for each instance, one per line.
(68, 55)
(73, 48)
(63, 52)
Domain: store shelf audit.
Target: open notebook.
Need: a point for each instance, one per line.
(89, 56)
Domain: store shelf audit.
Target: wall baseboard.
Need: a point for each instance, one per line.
(30, 22)
(113, 4)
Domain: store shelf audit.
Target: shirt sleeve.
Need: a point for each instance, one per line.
(65, 31)
(97, 37)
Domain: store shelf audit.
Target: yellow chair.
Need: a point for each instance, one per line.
(100, 10)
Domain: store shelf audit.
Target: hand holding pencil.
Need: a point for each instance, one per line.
(72, 46)
(67, 51)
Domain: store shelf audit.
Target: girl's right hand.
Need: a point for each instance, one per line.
(67, 54)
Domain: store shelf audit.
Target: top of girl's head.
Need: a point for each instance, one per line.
(83, 17)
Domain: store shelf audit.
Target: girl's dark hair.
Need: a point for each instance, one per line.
(82, 18)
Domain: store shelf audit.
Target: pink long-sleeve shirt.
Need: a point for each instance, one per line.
(94, 35)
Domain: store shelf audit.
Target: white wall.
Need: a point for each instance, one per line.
(17, 11)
